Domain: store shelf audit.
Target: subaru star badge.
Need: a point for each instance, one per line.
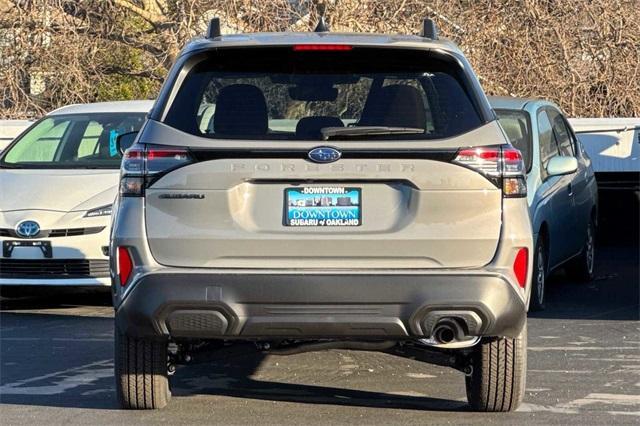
(324, 154)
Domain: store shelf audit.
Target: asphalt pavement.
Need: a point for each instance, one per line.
(56, 367)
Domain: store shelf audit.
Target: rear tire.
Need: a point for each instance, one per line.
(498, 379)
(141, 372)
(539, 277)
(581, 268)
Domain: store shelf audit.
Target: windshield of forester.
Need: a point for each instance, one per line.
(72, 141)
(294, 92)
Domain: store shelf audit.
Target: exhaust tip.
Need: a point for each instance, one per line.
(444, 334)
(448, 331)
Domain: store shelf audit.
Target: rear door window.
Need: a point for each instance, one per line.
(285, 94)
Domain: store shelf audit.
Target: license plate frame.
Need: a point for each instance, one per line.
(44, 246)
(320, 207)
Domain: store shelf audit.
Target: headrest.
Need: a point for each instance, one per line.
(241, 110)
(397, 105)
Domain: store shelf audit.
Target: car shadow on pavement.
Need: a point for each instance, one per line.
(229, 373)
(614, 294)
(56, 360)
(48, 368)
(56, 298)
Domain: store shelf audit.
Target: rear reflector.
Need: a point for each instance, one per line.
(125, 265)
(520, 266)
(320, 47)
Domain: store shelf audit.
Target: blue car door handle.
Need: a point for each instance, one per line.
(570, 189)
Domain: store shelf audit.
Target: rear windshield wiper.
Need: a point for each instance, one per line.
(360, 131)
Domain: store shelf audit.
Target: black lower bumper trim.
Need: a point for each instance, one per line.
(255, 306)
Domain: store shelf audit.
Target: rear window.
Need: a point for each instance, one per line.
(279, 93)
(516, 125)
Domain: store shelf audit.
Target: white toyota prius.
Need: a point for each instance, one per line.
(58, 180)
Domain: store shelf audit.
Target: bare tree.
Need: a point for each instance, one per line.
(583, 55)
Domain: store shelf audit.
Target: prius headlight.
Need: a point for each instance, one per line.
(100, 211)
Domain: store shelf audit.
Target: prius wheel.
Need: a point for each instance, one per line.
(539, 280)
(582, 267)
(141, 372)
(498, 374)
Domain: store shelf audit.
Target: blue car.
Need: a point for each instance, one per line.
(562, 191)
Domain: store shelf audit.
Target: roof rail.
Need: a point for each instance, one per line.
(213, 30)
(322, 26)
(429, 29)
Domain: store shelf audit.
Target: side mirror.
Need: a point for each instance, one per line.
(562, 165)
(125, 140)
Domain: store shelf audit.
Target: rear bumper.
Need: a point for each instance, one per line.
(347, 305)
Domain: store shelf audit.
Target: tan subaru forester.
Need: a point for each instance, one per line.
(309, 191)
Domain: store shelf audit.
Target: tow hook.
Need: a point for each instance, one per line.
(171, 369)
(263, 346)
(468, 370)
(176, 354)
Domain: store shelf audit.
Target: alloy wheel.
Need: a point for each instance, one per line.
(590, 250)
(540, 276)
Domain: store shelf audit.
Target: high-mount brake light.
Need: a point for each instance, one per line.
(502, 164)
(143, 164)
(321, 47)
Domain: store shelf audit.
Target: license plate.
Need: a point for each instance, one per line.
(44, 246)
(322, 206)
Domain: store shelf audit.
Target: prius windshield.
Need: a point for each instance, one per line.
(73, 141)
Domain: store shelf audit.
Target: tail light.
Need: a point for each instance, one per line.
(144, 164)
(125, 265)
(520, 266)
(503, 165)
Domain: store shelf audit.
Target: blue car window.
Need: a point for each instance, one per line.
(562, 133)
(548, 143)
